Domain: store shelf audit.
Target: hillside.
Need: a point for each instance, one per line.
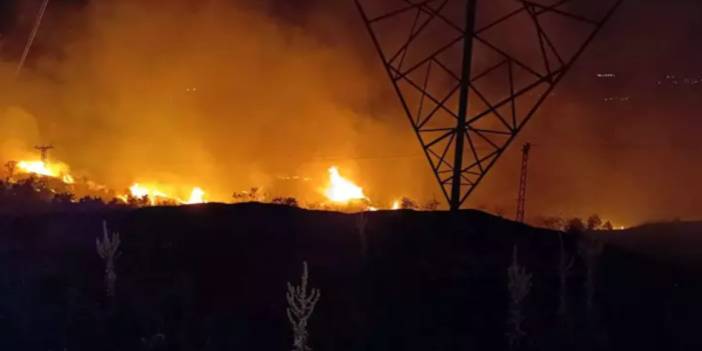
(675, 242)
(213, 277)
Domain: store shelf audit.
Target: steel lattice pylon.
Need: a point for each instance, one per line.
(470, 77)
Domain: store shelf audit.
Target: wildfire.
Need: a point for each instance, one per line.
(36, 167)
(342, 190)
(396, 205)
(338, 190)
(46, 169)
(139, 191)
(157, 196)
(197, 196)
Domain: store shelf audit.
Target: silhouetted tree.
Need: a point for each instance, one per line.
(252, 195)
(136, 202)
(408, 204)
(554, 223)
(91, 203)
(575, 225)
(286, 201)
(63, 199)
(432, 205)
(594, 222)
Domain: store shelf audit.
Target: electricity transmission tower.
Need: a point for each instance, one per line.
(44, 149)
(521, 198)
(470, 74)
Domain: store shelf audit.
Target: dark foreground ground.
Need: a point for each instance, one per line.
(214, 278)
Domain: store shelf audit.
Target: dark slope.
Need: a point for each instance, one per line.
(213, 277)
(674, 242)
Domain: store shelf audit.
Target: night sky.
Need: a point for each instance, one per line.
(627, 148)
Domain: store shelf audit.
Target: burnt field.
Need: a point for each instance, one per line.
(213, 277)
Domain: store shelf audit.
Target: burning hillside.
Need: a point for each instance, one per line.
(228, 95)
(42, 168)
(336, 191)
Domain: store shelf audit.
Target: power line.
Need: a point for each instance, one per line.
(547, 147)
(32, 36)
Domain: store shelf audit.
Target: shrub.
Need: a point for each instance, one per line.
(108, 249)
(519, 284)
(301, 304)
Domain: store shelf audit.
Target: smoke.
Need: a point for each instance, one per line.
(227, 95)
(216, 94)
(19, 132)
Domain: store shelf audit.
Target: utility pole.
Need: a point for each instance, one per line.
(521, 198)
(44, 149)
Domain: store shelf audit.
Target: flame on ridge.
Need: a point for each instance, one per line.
(341, 190)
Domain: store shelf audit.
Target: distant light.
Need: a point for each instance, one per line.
(617, 99)
(606, 75)
(294, 178)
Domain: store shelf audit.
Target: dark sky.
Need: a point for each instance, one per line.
(634, 160)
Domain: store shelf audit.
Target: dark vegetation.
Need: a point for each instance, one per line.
(213, 277)
(45, 194)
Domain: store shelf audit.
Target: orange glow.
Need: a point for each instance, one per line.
(36, 167)
(197, 196)
(46, 169)
(396, 205)
(139, 191)
(153, 194)
(156, 195)
(341, 190)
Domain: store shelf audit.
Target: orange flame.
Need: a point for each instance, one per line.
(342, 190)
(154, 195)
(36, 167)
(46, 169)
(197, 196)
(396, 205)
(157, 196)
